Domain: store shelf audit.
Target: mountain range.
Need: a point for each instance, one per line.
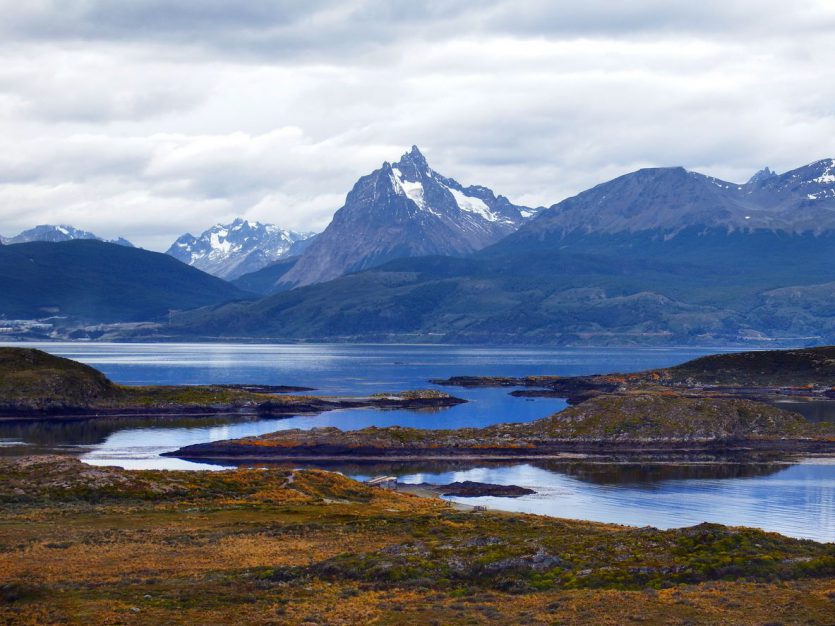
(405, 209)
(668, 200)
(52, 233)
(657, 256)
(660, 255)
(231, 250)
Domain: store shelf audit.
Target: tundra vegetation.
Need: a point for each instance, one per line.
(83, 545)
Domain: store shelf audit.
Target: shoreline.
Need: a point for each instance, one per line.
(661, 460)
(245, 452)
(277, 405)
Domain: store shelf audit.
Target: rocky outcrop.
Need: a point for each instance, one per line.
(472, 489)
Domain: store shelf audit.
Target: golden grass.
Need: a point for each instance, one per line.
(279, 547)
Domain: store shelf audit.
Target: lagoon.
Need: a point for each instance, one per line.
(795, 499)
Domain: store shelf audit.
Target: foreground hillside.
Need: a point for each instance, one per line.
(102, 282)
(279, 546)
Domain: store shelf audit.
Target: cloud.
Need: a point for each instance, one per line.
(148, 119)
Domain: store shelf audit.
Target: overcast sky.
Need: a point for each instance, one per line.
(151, 118)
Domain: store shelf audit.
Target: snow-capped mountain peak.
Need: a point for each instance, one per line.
(406, 209)
(827, 175)
(61, 232)
(813, 182)
(230, 250)
(411, 176)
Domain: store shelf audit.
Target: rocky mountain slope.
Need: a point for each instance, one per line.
(231, 250)
(405, 209)
(266, 281)
(669, 201)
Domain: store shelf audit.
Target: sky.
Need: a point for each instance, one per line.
(151, 118)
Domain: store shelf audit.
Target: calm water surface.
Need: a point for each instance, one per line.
(796, 499)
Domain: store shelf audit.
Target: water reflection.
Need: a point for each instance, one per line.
(93, 431)
(797, 500)
(599, 471)
(648, 476)
(812, 410)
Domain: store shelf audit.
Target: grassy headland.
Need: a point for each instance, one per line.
(35, 383)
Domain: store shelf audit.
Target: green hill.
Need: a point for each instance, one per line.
(38, 378)
(101, 282)
(808, 366)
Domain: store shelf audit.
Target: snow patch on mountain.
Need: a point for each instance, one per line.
(827, 176)
(473, 205)
(411, 189)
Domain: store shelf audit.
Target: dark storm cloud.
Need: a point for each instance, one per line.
(328, 27)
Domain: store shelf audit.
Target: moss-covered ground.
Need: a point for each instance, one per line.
(85, 545)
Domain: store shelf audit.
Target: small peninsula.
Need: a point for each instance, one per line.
(35, 384)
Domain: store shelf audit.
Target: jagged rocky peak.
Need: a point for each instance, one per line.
(53, 233)
(413, 163)
(406, 209)
(231, 250)
(763, 175)
(811, 183)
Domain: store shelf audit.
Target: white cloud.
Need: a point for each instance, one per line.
(148, 119)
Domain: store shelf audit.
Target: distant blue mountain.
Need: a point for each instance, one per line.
(95, 281)
(52, 233)
(657, 256)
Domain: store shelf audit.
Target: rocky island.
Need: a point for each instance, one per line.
(761, 374)
(717, 403)
(473, 489)
(35, 384)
